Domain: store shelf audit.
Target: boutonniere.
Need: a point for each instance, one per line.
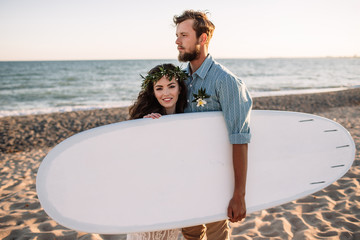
(200, 97)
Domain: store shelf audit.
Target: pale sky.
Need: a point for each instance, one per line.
(131, 29)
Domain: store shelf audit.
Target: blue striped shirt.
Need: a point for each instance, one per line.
(227, 94)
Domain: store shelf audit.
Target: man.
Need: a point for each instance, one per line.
(214, 88)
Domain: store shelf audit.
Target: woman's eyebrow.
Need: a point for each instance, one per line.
(159, 85)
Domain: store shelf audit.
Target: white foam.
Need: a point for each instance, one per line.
(37, 111)
(295, 92)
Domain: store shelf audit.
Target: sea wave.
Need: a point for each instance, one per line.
(37, 111)
(43, 87)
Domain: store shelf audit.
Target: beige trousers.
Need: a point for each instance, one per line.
(211, 231)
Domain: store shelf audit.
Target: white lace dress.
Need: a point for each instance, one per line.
(171, 234)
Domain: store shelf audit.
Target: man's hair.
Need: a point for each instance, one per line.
(201, 22)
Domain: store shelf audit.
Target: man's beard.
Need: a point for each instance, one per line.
(188, 57)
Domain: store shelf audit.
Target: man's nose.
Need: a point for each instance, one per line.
(177, 41)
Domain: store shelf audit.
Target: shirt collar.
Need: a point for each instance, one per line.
(203, 69)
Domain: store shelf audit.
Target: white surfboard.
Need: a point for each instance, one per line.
(176, 171)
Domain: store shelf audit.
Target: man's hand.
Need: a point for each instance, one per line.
(237, 208)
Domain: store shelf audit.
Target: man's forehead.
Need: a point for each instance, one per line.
(185, 26)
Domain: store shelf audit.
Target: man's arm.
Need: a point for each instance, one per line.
(236, 104)
(237, 206)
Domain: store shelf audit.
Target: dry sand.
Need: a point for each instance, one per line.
(333, 213)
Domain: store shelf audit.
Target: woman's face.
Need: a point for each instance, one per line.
(167, 93)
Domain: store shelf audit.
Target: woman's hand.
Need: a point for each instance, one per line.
(153, 115)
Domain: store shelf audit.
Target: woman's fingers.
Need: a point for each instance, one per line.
(153, 115)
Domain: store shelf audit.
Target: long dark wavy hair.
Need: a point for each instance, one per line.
(147, 103)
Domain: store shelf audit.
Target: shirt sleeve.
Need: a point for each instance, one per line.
(236, 104)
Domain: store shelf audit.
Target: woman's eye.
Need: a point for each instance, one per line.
(158, 89)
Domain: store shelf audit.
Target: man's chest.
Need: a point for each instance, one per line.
(202, 95)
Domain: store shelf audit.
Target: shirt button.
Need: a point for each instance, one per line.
(188, 100)
(190, 85)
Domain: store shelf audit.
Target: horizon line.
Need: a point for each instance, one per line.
(145, 59)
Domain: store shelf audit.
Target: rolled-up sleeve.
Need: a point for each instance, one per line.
(236, 104)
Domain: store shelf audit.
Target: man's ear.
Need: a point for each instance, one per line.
(203, 39)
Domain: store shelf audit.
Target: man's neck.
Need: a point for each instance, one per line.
(196, 64)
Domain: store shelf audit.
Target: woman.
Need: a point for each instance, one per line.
(152, 98)
(163, 93)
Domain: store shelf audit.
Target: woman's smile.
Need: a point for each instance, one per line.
(167, 99)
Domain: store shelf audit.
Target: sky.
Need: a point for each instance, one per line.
(131, 29)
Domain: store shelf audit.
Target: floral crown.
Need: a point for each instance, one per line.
(176, 73)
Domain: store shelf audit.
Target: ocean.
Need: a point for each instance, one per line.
(57, 86)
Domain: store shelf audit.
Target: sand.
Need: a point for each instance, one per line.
(333, 213)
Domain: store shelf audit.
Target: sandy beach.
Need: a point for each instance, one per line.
(333, 213)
